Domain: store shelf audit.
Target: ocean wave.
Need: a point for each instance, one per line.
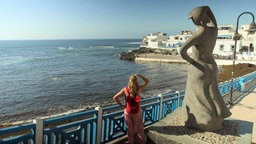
(66, 48)
(12, 60)
(56, 78)
(102, 46)
(134, 43)
(26, 117)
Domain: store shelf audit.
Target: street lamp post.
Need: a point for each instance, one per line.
(237, 37)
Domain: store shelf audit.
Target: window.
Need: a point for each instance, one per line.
(232, 47)
(251, 47)
(221, 47)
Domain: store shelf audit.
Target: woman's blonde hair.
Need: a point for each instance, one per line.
(133, 86)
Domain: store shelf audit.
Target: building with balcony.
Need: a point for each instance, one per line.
(224, 47)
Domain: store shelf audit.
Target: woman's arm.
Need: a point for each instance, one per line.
(116, 97)
(192, 41)
(184, 48)
(146, 81)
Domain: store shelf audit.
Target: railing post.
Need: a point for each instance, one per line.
(226, 86)
(99, 124)
(160, 106)
(39, 130)
(243, 87)
(178, 92)
(242, 84)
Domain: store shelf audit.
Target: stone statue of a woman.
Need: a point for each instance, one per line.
(203, 107)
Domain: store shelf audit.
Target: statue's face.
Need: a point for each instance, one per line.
(196, 21)
(201, 19)
(205, 19)
(199, 16)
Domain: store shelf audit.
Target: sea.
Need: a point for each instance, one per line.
(42, 78)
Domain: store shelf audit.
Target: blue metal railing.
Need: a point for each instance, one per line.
(170, 103)
(66, 129)
(100, 125)
(18, 134)
(113, 125)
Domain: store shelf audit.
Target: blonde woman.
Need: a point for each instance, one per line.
(132, 109)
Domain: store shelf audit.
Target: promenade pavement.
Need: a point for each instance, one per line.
(152, 57)
(245, 109)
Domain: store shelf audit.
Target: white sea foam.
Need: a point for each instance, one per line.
(134, 43)
(66, 48)
(55, 78)
(43, 117)
(12, 60)
(102, 46)
(80, 109)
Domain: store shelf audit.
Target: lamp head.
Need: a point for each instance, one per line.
(252, 28)
(237, 36)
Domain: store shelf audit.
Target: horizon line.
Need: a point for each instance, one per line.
(68, 39)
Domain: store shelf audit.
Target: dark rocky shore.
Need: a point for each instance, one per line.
(130, 56)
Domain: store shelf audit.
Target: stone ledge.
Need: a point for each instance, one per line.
(235, 131)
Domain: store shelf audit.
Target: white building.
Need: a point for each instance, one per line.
(155, 40)
(161, 40)
(178, 40)
(225, 44)
(224, 47)
(249, 41)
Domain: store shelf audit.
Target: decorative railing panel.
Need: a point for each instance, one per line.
(225, 87)
(248, 77)
(150, 113)
(75, 128)
(113, 126)
(169, 105)
(18, 134)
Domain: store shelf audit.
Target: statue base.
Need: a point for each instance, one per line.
(171, 130)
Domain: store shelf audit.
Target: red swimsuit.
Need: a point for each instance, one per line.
(132, 104)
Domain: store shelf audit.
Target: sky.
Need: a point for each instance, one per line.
(109, 19)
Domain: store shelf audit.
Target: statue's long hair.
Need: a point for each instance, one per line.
(199, 15)
(133, 86)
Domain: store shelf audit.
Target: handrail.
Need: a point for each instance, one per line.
(21, 133)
